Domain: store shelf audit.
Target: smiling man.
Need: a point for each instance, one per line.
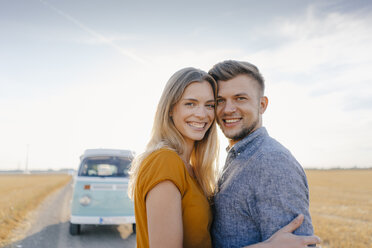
(262, 186)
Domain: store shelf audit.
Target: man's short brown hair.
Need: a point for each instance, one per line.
(229, 69)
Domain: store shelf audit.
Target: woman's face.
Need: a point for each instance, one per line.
(194, 113)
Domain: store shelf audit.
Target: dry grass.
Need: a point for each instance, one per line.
(340, 204)
(22, 193)
(341, 207)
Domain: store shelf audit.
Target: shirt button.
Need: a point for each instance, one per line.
(238, 153)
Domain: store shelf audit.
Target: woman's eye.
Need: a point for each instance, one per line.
(191, 104)
(240, 98)
(210, 106)
(220, 101)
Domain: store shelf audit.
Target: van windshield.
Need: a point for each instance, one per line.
(105, 167)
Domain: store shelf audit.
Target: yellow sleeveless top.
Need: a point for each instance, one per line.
(161, 165)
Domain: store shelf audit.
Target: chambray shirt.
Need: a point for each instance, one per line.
(261, 189)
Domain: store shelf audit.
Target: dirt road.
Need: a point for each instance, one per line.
(48, 227)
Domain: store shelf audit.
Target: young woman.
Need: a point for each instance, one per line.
(173, 181)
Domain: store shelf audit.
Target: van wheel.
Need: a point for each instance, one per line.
(134, 227)
(74, 229)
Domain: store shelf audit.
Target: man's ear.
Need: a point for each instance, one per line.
(264, 101)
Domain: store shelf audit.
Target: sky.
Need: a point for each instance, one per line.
(79, 74)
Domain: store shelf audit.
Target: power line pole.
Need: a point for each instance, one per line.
(27, 151)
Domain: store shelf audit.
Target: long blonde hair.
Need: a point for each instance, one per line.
(164, 133)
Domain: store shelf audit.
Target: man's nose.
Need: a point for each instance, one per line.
(229, 107)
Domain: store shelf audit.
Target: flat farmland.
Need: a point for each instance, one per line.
(20, 194)
(340, 204)
(341, 207)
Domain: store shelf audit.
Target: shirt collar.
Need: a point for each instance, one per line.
(241, 145)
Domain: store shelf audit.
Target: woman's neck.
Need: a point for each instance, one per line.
(189, 146)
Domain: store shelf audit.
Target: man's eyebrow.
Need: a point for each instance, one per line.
(238, 94)
(241, 94)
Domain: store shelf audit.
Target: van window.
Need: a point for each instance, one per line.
(105, 167)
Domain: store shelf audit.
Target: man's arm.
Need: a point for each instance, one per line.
(281, 193)
(285, 239)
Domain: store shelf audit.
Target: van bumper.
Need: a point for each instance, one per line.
(104, 220)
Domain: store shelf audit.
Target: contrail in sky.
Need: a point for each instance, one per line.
(95, 34)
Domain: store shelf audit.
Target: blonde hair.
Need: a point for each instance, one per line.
(165, 135)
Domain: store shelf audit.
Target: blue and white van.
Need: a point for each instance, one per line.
(100, 190)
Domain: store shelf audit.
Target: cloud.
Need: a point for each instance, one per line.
(326, 53)
(316, 41)
(317, 67)
(112, 38)
(126, 52)
(319, 86)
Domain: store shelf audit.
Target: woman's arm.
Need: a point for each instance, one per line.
(164, 216)
(284, 238)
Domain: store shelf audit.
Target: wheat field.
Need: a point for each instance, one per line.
(19, 194)
(341, 207)
(340, 203)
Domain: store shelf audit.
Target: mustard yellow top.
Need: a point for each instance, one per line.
(161, 165)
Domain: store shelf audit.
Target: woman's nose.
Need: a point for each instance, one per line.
(200, 111)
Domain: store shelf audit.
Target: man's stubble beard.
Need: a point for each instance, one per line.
(244, 132)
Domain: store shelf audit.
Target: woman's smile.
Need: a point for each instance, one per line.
(197, 125)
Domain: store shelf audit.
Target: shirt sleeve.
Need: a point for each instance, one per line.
(161, 166)
(281, 194)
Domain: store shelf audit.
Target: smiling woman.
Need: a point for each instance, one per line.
(194, 113)
(172, 180)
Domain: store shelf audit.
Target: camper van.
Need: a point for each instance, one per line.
(100, 190)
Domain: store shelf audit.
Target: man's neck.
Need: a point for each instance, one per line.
(232, 142)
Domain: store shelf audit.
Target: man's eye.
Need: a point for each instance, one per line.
(210, 106)
(240, 98)
(220, 101)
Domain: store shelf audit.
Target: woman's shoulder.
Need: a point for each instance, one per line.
(162, 164)
(163, 159)
(164, 153)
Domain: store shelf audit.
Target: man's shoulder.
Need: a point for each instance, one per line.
(271, 145)
(264, 144)
(272, 155)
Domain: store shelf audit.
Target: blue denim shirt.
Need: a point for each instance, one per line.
(261, 189)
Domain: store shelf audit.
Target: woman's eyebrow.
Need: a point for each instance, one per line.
(196, 100)
(190, 99)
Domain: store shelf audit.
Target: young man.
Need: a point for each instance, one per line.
(262, 187)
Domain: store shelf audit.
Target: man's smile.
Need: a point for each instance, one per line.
(230, 122)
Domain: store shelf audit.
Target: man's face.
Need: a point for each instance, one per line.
(239, 107)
